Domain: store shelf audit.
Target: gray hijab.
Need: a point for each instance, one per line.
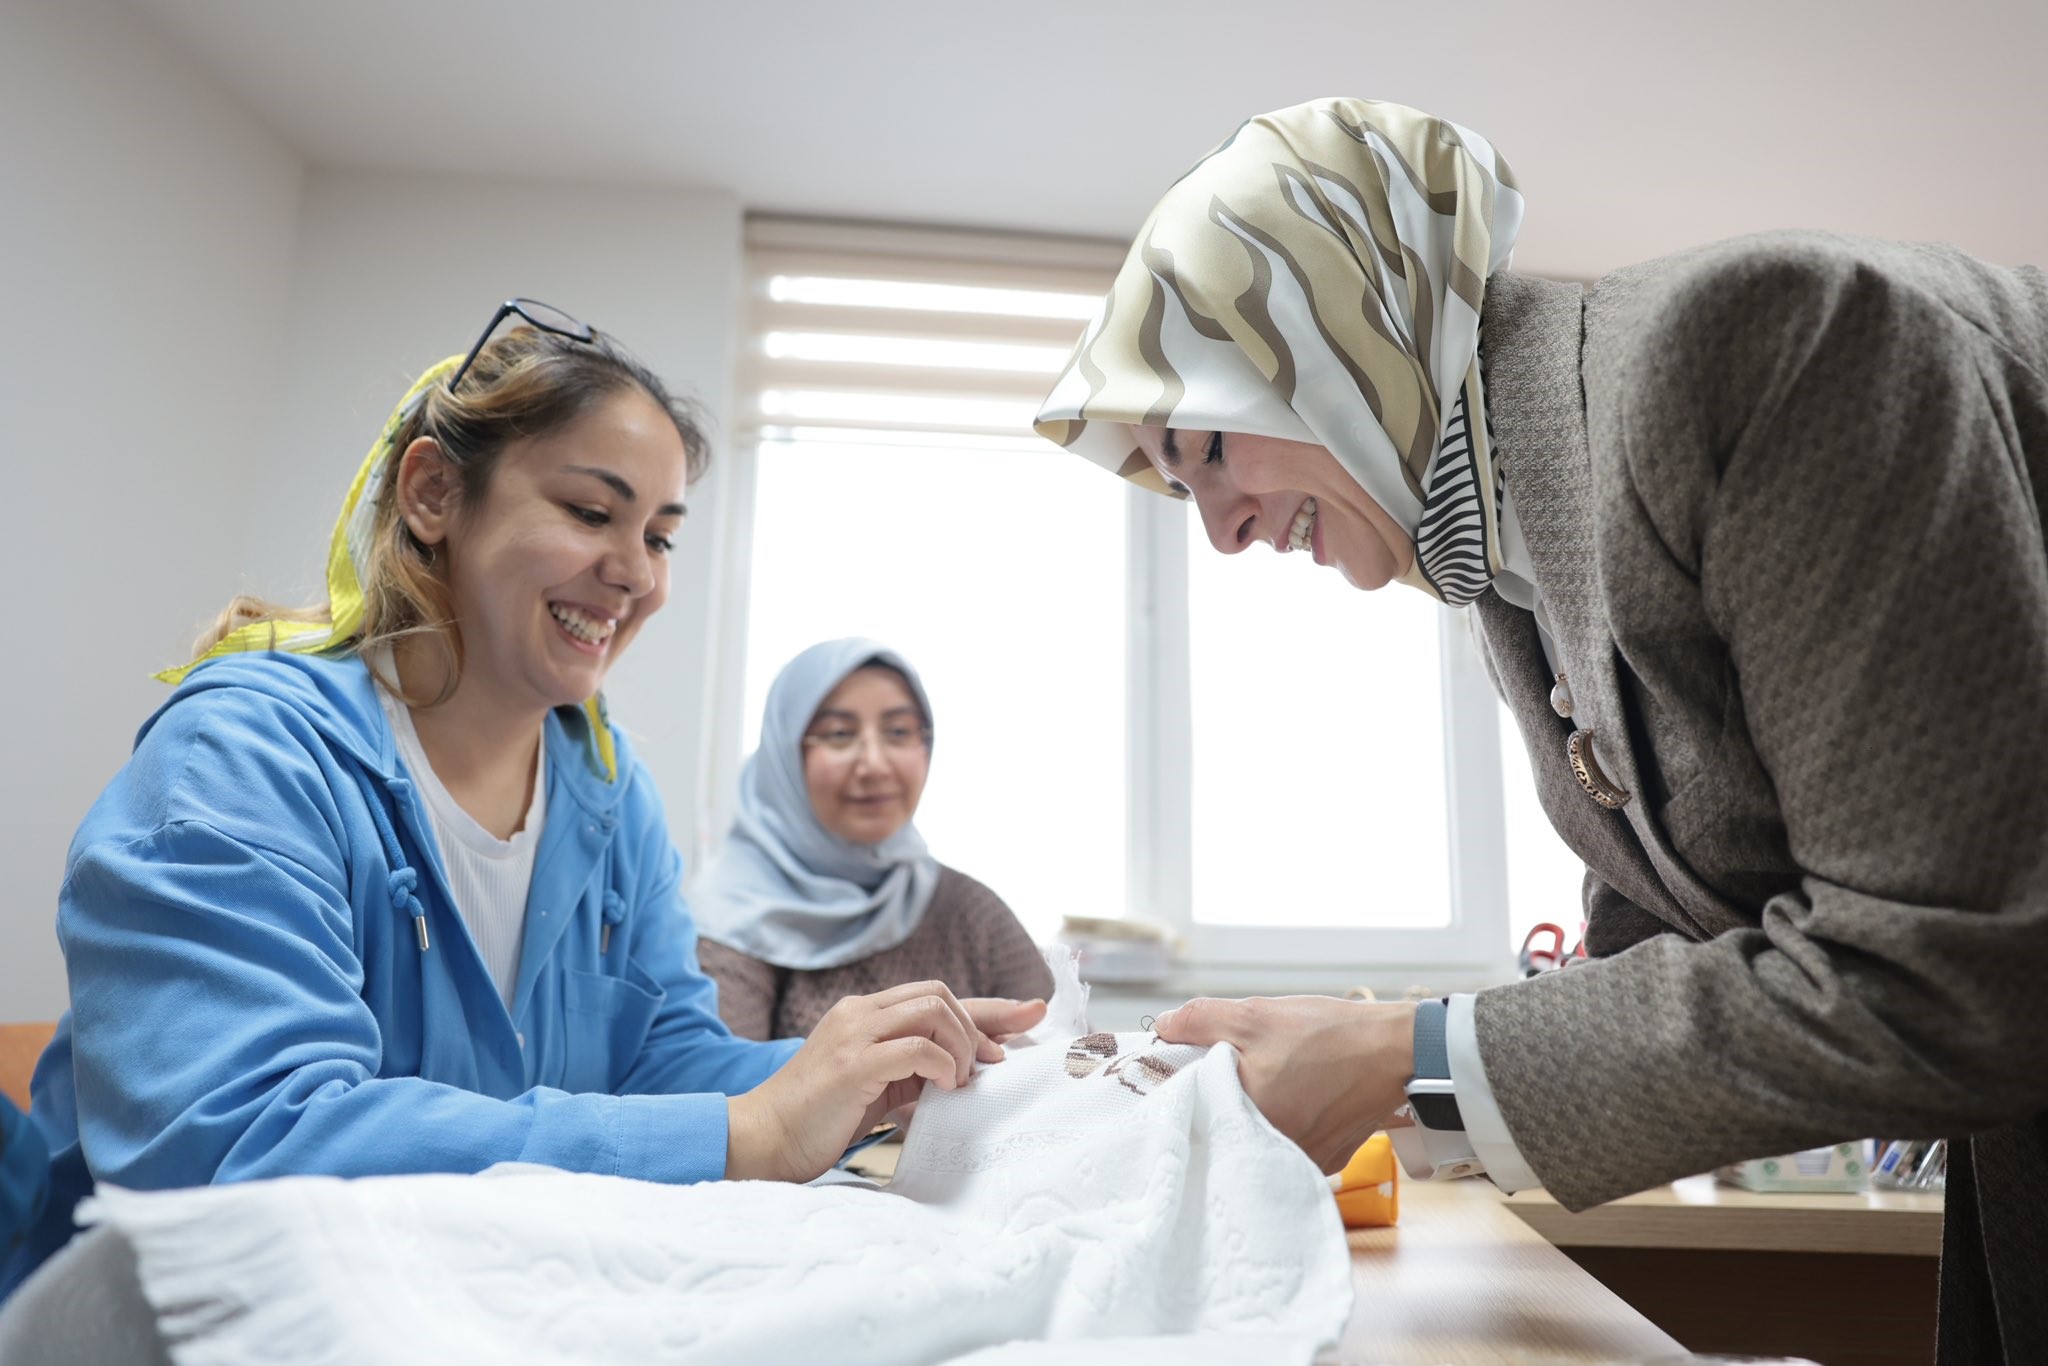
(785, 889)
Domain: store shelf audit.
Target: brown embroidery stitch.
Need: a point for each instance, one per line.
(1138, 1072)
(1147, 1069)
(1087, 1053)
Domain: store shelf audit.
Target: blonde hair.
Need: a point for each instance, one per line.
(523, 384)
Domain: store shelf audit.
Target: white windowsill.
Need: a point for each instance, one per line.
(1122, 1006)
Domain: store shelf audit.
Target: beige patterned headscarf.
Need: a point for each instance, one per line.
(1318, 277)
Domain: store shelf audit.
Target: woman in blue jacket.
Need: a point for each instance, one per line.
(382, 891)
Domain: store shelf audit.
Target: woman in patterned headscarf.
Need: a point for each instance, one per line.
(1755, 550)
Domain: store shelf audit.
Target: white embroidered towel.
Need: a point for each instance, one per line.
(1113, 1189)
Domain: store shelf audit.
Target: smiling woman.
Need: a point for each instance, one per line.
(824, 887)
(382, 890)
(1756, 565)
(556, 565)
(526, 403)
(1290, 495)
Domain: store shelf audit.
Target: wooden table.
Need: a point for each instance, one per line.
(1700, 1213)
(1461, 1279)
(1832, 1277)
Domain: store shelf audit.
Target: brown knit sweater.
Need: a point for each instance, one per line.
(968, 939)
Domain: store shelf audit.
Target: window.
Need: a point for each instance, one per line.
(926, 549)
(1317, 752)
(1293, 776)
(1544, 877)
(898, 493)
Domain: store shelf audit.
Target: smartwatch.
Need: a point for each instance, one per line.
(1435, 1146)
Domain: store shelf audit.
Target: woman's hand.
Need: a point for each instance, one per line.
(1001, 1018)
(1326, 1072)
(868, 1056)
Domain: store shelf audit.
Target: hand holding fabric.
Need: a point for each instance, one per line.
(1326, 1072)
(868, 1056)
(999, 1017)
(1003, 1019)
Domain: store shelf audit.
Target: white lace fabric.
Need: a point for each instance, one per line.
(1117, 1198)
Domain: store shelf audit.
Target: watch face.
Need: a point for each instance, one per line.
(1436, 1111)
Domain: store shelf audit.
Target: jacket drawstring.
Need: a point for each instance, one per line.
(402, 899)
(614, 913)
(404, 877)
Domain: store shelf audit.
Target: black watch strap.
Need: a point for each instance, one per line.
(1433, 1062)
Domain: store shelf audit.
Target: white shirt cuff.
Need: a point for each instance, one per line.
(1484, 1127)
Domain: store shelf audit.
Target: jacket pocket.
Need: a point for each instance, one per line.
(607, 1021)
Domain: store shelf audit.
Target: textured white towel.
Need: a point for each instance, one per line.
(1116, 1188)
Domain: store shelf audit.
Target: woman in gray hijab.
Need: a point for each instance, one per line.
(1753, 540)
(824, 888)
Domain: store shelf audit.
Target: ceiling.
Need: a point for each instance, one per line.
(1635, 126)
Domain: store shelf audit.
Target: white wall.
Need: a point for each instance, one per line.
(202, 340)
(395, 271)
(145, 238)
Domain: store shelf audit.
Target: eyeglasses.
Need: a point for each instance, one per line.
(543, 316)
(841, 741)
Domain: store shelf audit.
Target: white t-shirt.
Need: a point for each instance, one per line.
(489, 877)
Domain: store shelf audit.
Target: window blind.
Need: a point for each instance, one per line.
(908, 336)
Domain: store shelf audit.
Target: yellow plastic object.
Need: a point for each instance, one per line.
(1369, 1187)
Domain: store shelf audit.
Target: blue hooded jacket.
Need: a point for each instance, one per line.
(241, 918)
(24, 1175)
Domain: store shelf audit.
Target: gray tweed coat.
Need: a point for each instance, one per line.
(1783, 498)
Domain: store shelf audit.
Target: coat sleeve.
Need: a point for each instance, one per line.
(1836, 458)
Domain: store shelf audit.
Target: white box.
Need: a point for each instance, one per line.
(1840, 1168)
